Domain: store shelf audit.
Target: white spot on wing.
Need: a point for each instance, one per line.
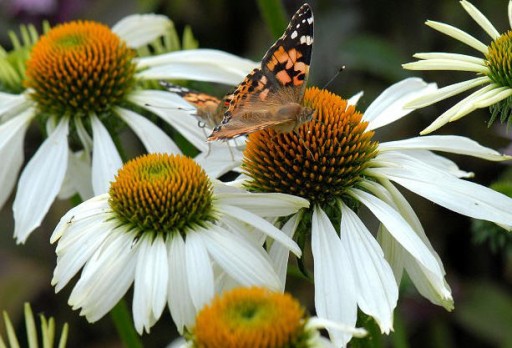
(308, 40)
(294, 34)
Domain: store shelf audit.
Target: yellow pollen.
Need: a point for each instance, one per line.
(324, 158)
(79, 67)
(161, 193)
(250, 318)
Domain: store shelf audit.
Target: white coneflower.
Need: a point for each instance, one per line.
(493, 71)
(83, 82)
(166, 228)
(335, 164)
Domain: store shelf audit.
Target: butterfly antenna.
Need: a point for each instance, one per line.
(340, 69)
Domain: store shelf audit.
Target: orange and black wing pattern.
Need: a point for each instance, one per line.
(285, 65)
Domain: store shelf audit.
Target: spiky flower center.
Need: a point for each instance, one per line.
(78, 68)
(499, 60)
(251, 318)
(325, 157)
(161, 193)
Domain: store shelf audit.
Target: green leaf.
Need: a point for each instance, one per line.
(274, 16)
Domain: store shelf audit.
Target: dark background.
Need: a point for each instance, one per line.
(372, 39)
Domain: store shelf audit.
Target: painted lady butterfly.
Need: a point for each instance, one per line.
(208, 108)
(271, 96)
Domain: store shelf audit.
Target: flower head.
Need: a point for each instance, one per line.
(492, 70)
(257, 317)
(336, 164)
(176, 235)
(83, 83)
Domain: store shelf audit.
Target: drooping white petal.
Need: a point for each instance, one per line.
(322, 323)
(178, 298)
(458, 34)
(78, 178)
(242, 260)
(199, 64)
(279, 254)
(335, 297)
(173, 110)
(154, 139)
(461, 196)
(446, 143)
(447, 92)
(431, 285)
(377, 291)
(261, 224)
(201, 279)
(40, 182)
(492, 97)
(510, 13)
(355, 98)
(12, 135)
(12, 105)
(481, 20)
(264, 204)
(389, 105)
(140, 29)
(150, 285)
(105, 158)
(399, 228)
(106, 277)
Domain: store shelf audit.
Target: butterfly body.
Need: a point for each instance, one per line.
(271, 96)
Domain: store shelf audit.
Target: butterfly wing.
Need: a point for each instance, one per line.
(286, 64)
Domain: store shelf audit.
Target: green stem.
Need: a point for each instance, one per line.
(274, 15)
(399, 336)
(122, 320)
(374, 338)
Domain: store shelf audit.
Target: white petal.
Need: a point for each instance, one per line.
(461, 196)
(322, 323)
(151, 279)
(458, 34)
(244, 262)
(199, 269)
(450, 56)
(446, 92)
(480, 19)
(106, 277)
(446, 64)
(264, 204)
(262, 225)
(355, 98)
(140, 29)
(199, 64)
(376, 288)
(492, 97)
(78, 177)
(171, 109)
(279, 254)
(12, 135)
(12, 105)
(40, 182)
(154, 139)
(179, 300)
(105, 158)
(510, 13)
(389, 105)
(399, 228)
(446, 143)
(335, 295)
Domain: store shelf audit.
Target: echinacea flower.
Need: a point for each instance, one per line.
(335, 163)
(257, 317)
(83, 83)
(493, 70)
(47, 332)
(168, 229)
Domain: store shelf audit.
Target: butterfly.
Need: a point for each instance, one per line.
(271, 96)
(209, 109)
